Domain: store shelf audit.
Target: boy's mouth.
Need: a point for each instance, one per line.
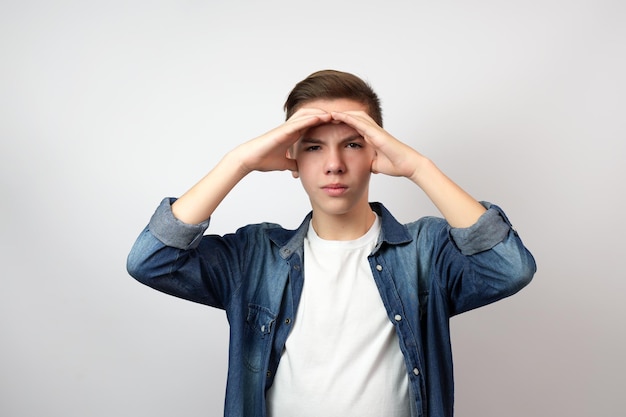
(335, 189)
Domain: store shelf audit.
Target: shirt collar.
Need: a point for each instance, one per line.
(289, 241)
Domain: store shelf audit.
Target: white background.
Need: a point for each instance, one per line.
(108, 106)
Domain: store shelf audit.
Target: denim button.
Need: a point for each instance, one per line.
(416, 371)
(397, 317)
(379, 267)
(287, 321)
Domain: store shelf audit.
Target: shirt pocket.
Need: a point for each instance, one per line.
(257, 336)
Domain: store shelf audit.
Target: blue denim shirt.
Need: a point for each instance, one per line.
(426, 272)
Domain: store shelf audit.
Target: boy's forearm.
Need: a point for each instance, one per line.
(199, 203)
(458, 207)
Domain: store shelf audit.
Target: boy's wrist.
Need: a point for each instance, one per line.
(236, 161)
(421, 167)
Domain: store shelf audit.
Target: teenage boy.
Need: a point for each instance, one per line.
(349, 314)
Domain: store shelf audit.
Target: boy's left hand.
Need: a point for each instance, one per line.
(392, 156)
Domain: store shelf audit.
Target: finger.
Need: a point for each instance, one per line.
(307, 120)
(308, 111)
(357, 120)
(361, 122)
(356, 115)
(289, 132)
(296, 128)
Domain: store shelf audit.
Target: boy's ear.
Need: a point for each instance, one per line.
(292, 155)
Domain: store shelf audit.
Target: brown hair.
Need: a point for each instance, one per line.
(331, 84)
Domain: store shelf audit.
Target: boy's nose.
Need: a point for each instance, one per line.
(334, 164)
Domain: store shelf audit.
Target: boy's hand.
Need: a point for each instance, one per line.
(270, 151)
(392, 156)
(398, 159)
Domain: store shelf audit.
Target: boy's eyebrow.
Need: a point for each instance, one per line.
(351, 138)
(307, 139)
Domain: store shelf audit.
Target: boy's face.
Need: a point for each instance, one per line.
(334, 162)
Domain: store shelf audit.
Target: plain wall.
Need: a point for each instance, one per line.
(108, 106)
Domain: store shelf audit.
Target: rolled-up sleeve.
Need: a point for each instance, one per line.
(493, 263)
(491, 228)
(165, 257)
(173, 232)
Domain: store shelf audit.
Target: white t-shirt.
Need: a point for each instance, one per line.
(342, 357)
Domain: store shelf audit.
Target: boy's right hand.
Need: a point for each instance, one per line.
(270, 151)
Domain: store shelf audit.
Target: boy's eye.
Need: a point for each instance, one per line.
(354, 145)
(312, 148)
